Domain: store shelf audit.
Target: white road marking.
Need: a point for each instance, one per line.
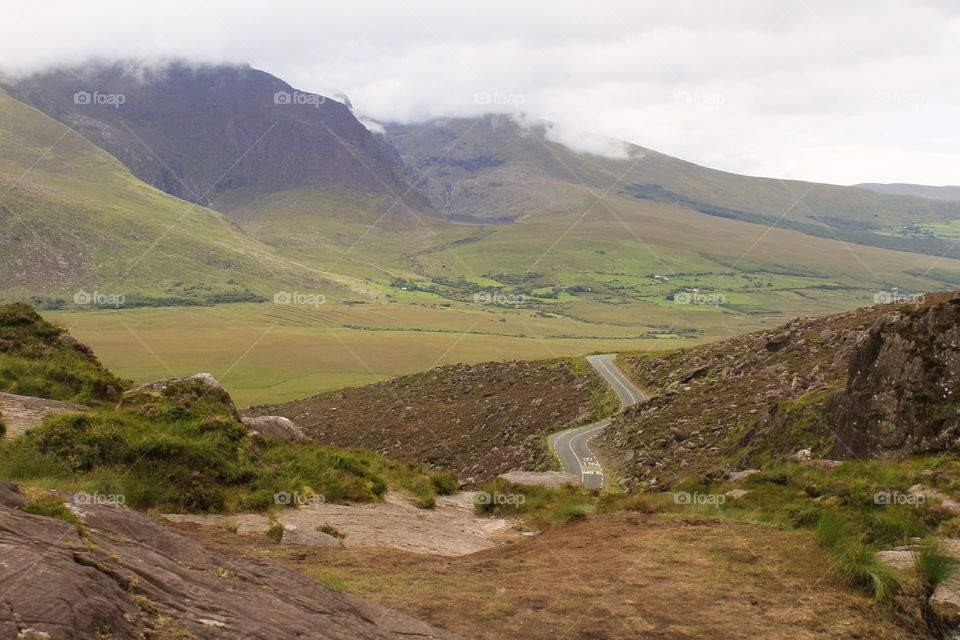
(623, 387)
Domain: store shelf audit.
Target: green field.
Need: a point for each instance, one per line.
(265, 354)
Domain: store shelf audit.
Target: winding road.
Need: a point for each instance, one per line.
(573, 445)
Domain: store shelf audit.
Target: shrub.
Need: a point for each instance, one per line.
(854, 562)
(331, 531)
(933, 564)
(275, 532)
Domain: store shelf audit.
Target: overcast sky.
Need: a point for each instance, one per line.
(834, 91)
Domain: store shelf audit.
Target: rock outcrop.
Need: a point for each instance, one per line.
(903, 385)
(120, 575)
(880, 381)
(25, 412)
(180, 390)
(274, 427)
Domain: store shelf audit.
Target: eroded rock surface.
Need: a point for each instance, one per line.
(121, 575)
(25, 412)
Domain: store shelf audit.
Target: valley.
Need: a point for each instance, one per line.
(271, 367)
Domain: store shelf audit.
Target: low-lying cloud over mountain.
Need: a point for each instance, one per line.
(852, 92)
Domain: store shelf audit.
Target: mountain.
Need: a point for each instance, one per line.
(503, 168)
(76, 222)
(918, 190)
(216, 135)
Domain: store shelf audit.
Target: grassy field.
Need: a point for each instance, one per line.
(265, 353)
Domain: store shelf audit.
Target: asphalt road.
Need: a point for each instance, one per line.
(573, 445)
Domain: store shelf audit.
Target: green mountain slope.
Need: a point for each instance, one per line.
(495, 167)
(74, 220)
(918, 190)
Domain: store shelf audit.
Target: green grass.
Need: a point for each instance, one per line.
(934, 564)
(539, 507)
(38, 358)
(181, 450)
(50, 506)
(267, 354)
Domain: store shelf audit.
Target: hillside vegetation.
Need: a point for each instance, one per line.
(78, 227)
(878, 381)
(180, 447)
(38, 358)
(476, 420)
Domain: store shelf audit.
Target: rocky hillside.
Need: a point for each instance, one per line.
(84, 570)
(475, 420)
(880, 381)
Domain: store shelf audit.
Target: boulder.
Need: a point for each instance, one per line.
(693, 372)
(292, 534)
(169, 386)
(274, 427)
(778, 342)
(26, 412)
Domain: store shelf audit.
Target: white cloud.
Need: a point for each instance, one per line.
(841, 92)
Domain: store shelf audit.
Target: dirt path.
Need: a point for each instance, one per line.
(450, 529)
(622, 576)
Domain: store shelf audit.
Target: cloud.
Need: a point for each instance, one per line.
(839, 92)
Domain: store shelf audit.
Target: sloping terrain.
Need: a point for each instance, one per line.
(475, 420)
(624, 575)
(216, 134)
(499, 167)
(114, 573)
(39, 358)
(77, 226)
(918, 190)
(876, 382)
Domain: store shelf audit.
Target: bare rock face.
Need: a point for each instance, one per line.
(25, 412)
(121, 575)
(903, 385)
(275, 427)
